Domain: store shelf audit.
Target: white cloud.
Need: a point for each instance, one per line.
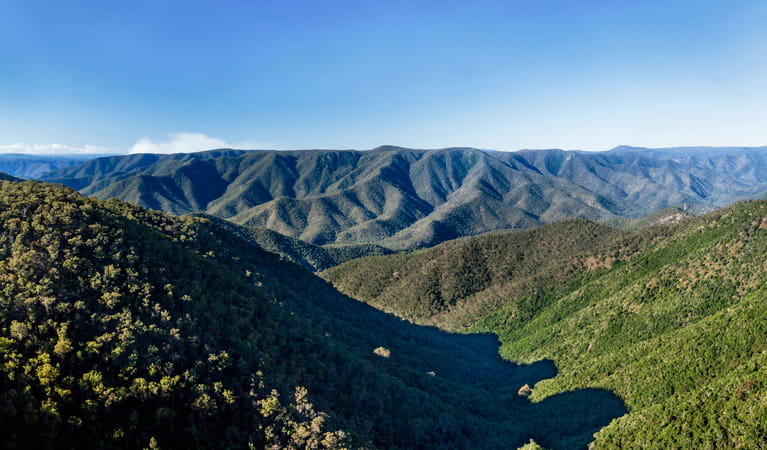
(53, 149)
(179, 143)
(174, 143)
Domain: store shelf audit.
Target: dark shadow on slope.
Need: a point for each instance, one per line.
(570, 419)
(464, 371)
(398, 384)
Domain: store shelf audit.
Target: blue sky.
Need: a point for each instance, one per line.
(107, 76)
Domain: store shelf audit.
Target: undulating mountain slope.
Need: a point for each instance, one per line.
(337, 196)
(456, 282)
(671, 318)
(309, 256)
(34, 166)
(126, 328)
(678, 331)
(403, 198)
(645, 180)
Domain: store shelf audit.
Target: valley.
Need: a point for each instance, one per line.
(394, 225)
(614, 312)
(668, 317)
(131, 328)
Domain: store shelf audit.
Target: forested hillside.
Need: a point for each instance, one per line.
(309, 256)
(403, 198)
(672, 317)
(125, 328)
(457, 282)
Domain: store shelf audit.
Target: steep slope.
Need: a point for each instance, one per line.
(122, 327)
(678, 331)
(670, 317)
(403, 198)
(309, 256)
(455, 283)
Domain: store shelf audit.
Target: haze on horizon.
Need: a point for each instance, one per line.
(99, 77)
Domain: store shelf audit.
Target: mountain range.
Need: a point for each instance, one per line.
(126, 328)
(670, 317)
(403, 198)
(462, 298)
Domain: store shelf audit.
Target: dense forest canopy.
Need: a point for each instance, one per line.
(126, 328)
(123, 327)
(671, 317)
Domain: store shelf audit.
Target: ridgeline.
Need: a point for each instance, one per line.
(126, 328)
(670, 317)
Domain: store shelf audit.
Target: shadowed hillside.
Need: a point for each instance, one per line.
(6, 177)
(403, 198)
(670, 317)
(456, 282)
(306, 255)
(126, 328)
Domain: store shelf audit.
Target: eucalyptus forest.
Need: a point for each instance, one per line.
(127, 327)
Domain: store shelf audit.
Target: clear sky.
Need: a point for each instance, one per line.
(185, 75)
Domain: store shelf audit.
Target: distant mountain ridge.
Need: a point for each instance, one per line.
(401, 197)
(35, 166)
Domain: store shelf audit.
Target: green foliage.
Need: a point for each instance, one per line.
(125, 328)
(532, 445)
(671, 318)
(311, 257)
(678, 331)
(113, 334)
(454, 284)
